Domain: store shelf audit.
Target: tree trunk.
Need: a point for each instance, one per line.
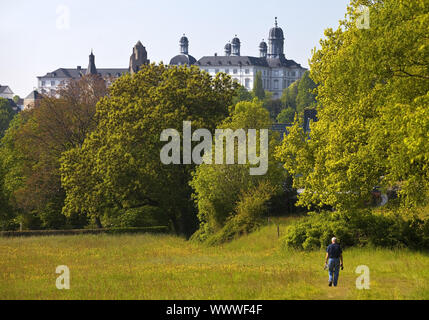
(98, 223)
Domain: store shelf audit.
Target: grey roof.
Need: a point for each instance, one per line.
(77, 73)
(276, 33)
(243, 61)
(183, 59)
(34, 95)
(3, 88)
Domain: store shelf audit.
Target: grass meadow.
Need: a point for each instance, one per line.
(153, 267)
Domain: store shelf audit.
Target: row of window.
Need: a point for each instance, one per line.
(52, 83)
(267, 84)
(276, 73)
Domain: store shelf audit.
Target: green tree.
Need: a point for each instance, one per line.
(34, 144)
(118, 167)
(286, 116)
(305, 97)
(258, 87)
(6, 115)
(242, 94)
(16, 98)
(289, 96)
(373, 120)
(218, 188)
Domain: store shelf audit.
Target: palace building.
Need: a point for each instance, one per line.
(49, 83)
(277, 72)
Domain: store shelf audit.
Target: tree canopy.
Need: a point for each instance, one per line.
(373, 114)
(118, 167)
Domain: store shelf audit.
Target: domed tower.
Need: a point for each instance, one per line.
(228, 49)
(236, 45)
(276, 41)
(263, 49)
(183, 58)
(184, 45)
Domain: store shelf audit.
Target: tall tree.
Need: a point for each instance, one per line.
(373, 121)
(6, 115)
(118, 167)
(289, 96)
(305, 97)
(258, 87)
(34, 146)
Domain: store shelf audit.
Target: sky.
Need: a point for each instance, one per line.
(37, 37)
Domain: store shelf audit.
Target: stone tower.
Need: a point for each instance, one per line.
(91, 66)
(138, 58)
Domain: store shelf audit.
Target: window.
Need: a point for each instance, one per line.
(43, 83)
(293, 73)
(53, 83)
(247, 71)
(235, 71)
(227, 71)
(276, 84)
(247, 83)
(216, 71)
(276, 73)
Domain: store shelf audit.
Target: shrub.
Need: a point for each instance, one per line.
(140, 217)
(250, 211)
(358, 229)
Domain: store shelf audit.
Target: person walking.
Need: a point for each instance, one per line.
(334, 261)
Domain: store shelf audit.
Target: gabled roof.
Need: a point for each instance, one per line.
(3, 89)
(63, 73)
(34, 95)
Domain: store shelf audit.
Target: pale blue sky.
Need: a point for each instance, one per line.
(32, 45)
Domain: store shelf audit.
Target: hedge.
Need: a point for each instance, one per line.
(44, 233)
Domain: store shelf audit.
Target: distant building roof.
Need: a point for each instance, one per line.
(77, 73)
(5, 88)
(34, 95)
(183, 59)
(212, 61)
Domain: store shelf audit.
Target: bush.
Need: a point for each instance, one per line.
(250, 211)
(140, 217)
(113, 231)
(363, 228)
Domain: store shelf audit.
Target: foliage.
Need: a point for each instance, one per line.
(251, 210)
(145, 216)
(242, 94)
(305, 98)
(6, 115)
(289, 96)
(360, 228)
(32, 147)
(373, 124)
(118, 166)
(218, 188)
(286, 116)
(258, 87)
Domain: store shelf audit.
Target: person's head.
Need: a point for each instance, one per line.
(334, 240)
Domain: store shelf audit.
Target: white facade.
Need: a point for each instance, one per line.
(273, 80)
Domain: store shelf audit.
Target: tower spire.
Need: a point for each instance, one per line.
(91, 66)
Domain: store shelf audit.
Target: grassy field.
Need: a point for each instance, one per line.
(167, 267)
